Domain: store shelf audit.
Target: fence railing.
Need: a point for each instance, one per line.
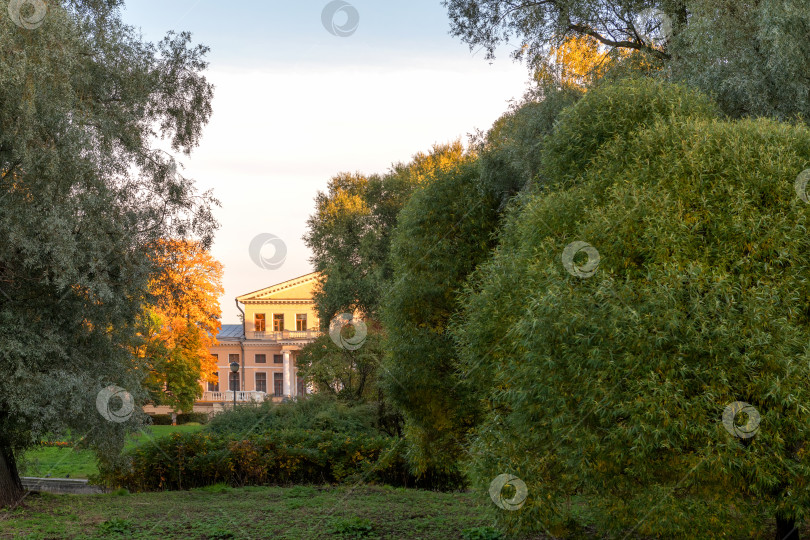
(241, 397)
(285, 335)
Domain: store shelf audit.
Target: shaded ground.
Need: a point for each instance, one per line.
(300, 512)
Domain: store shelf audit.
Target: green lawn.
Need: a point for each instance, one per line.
(300, 512)
(59, 462)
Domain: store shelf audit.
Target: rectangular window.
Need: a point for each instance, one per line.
(278, 384)
(258, 322)
(301, 387)
(261, 358)
(261, 382)
(278, 358)
(278, 322)
(234, 382)
(301, 322)
(233, 358)
(213, 385)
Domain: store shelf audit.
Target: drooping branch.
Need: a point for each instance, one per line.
(626, 44)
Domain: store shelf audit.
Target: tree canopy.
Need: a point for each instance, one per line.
(85, 194)
(609, 372)
(753, 58)
(181, 323)
(350, 232)
(443, 232)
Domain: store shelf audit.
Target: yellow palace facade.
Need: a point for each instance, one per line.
(278, 322)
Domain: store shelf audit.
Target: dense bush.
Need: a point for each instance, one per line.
(197, 417)
(509, 157)
(613, 387)
(443, 232)
(317, 412)
(184, 461)
(613, 112)
(183, 418)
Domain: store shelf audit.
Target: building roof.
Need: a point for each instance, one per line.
(297, 288)
(230, 332)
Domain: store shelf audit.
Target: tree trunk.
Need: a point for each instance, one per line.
(786, 529)
(11, 490)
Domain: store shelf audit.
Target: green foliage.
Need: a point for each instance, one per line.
(753, 60)
(195, 418)
(481, 533)
(183, 419)
(161, 419)
(115, 527)
(752, 57)
(353, 527)
(613, 386)
(538, 25)
(316, 412)
(174, 372)
(348, 375)
(350, 232)
(220, 488)
(185, 461)
(84, 197)
(510, 154)
(443, 232)
(609, 112)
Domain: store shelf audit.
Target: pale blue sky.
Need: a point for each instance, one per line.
(295, 105)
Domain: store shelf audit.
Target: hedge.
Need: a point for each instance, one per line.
(190, 460)
(198, 417)
(183, 418)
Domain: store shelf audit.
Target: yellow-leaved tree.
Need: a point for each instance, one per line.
(181, 323)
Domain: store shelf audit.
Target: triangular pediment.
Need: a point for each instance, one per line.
(300, 288)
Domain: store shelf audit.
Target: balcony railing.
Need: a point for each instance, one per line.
(241, 397)
(285, 335)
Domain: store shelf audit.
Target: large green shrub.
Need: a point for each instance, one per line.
(613, 112)
(317, 412)
(510, 154)
(185, 461)
(612, 387)
(443, 232)
(198, 417)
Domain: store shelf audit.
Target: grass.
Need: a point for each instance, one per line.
(60, 462)
(218, 512)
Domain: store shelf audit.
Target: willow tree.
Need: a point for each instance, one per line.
(752, 57)
(350, 231)
(84, 193)
(656, 359)
(443, 232)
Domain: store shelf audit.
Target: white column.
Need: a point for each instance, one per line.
(287, 373)
(293, 385)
